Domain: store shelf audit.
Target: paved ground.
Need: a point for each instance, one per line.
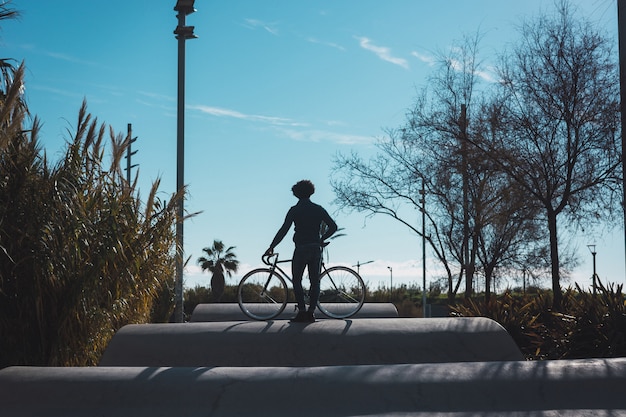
(232, 312)
(446, 367)
(551, 388)
(368, 341)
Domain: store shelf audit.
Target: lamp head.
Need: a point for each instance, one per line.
(185, 6)
(185, 32)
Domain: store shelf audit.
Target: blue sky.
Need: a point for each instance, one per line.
(275, 89)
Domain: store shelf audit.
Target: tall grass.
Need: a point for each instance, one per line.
(586, 326)
(80, 254)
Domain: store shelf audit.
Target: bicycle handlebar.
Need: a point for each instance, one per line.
(266, 258)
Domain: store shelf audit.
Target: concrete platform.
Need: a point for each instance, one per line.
(552, 388)
(232, 312)
(367, 341)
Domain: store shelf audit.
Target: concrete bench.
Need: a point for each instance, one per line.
(367, 341)
(232, 312)
(504, 389)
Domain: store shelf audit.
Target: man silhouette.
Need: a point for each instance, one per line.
(309, 236)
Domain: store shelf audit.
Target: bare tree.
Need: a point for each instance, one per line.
(474, 212)
(559, 143)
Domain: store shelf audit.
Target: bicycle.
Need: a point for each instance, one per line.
(263, 293)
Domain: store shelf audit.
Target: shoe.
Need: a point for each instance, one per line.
(301, 317)
(310, 316)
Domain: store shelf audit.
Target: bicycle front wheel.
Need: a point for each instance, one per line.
(342, 292)
(262, 294)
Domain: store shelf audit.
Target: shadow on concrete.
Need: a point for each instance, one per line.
(232, 312)
(592, 387)
(323, 343)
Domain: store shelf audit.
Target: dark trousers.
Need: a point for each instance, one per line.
(310, 257)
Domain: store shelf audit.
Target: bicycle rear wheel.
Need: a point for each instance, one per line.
(342, 292)
(262, 294)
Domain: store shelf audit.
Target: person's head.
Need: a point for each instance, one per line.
(303, 189)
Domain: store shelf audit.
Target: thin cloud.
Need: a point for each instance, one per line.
(382, 52)
(313, 135)
(55, 91)
(220, 112)
(156, 96)
(255, 24)
(289, 128)
(485, 75)
(69, 58)
(331, 44)
(427, 59)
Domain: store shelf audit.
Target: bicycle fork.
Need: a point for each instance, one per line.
(265, 295)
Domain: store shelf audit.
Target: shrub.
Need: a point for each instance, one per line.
(80, 256)
(587, 326)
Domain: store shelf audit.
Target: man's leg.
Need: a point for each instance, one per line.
(314, 265)
(298, 263)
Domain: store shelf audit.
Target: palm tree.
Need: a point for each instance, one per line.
(218, 261)
(8, 71)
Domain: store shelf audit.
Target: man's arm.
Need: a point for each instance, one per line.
(331, 226)
(282, 232)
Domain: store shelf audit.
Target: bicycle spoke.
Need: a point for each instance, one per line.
(345, 296)
(262, 294)
(266, 296)
(342, 292)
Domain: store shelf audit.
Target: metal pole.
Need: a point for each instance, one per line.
(592, 249)
(621, 24)
(183, 7)
(594, 272)
(424, 314)
(129, 153)
(469, 270)
(129, 137)
(180, 171)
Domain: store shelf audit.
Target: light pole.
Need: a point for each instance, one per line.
(423, 209)
(621, 36)
(358, 266)
(592, 249)
(391, 286)
(182, 32)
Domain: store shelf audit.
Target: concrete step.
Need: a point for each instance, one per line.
(367, 341)
(574, 388)
(232, 312)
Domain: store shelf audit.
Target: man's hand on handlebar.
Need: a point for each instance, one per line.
(269, 252)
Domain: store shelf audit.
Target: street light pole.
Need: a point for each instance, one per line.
(391, 286)
(592, 249)
(358, 266)
(621, 35)
(182, 32)
(423, 209)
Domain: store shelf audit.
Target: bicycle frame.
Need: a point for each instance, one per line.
(274, 265)
(276, 268)
(342, 290)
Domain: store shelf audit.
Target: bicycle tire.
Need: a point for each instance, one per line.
(342, 292)
(262, 294)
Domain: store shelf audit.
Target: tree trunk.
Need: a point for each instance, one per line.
(488, 278)
(217, 285)
(554, 260)
(469, 280)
